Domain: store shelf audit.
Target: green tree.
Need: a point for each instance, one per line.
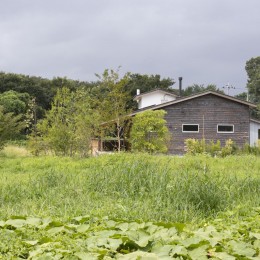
(146, 83)
(195, 88)
(242, 96)
(14, 102)
(10, 126)
(253, 82)
(69, 125)
(112, 104)
(149, 132)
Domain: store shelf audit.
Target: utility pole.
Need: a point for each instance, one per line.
(228, 87)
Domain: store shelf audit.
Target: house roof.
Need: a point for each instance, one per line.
(154, 90)
(201, 94)
(255, 121)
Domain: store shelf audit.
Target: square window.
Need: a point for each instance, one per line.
(225, 128)
(190, 128)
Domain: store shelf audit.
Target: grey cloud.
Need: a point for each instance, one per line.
(204, 41)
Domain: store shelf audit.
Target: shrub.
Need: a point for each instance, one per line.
(195, 146)
(149, 132)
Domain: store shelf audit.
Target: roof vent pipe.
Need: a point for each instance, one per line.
(180, 86)
(138, 92)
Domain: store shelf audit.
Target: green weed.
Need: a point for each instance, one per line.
(129, 186)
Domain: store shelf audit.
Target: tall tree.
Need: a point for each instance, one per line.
(69, 125)
(112, 104)
(253, 82)
(14, 102)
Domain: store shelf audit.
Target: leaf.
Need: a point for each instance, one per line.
(82, 219)
(17, 223)
(114, 243)
(193, 242)
(56, 230)
(179, 251)
(83, 228)
(199, 253)
(139, 255)
(223, 256)
(31, 242)
(241, 248)
(169, 251)
(123, 226)
(257, 244)
(140, 237)
(33, 221)
(254, 235)
(55, 224)
(87, 256)
(45, 240)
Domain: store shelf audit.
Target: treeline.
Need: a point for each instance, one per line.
(47, 107)
(65, 114)
(42, 90)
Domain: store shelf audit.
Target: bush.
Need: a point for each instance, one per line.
(247, 149)
(149, 132)
(195, 146)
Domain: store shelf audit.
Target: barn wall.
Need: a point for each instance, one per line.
(208, 111)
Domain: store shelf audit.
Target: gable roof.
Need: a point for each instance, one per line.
(155, 90)
(201, 94)
(255, 121)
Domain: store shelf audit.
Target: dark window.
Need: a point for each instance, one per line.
(258, 133)
(190, 128)
(225, 128)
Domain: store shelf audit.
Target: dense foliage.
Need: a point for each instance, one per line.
(85, 237)
(127, 206)
(149, 132)
(68, 127)
(196, 146)
(253, 82)
(10, 126)
(112, 106)
(195, 88)
(129, 186)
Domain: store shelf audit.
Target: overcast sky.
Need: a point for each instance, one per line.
(204, 41)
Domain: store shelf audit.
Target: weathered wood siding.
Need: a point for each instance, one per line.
(207, 111)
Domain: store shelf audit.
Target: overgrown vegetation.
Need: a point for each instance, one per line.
(68, 126)
(149, 132)
(127, 186)
(196, 146)
(127, 206)
(85, 237)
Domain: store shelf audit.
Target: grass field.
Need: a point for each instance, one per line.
(124, 188)
(128, 186)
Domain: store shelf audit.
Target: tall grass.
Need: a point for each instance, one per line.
(128, 186)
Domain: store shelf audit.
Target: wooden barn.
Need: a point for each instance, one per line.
(209, 115)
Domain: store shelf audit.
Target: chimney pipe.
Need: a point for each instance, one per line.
(180, 86)
(138, 92)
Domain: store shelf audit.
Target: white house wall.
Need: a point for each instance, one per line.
(254, 127)
(155, 98)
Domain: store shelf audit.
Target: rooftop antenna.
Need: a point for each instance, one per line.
(228, 87)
